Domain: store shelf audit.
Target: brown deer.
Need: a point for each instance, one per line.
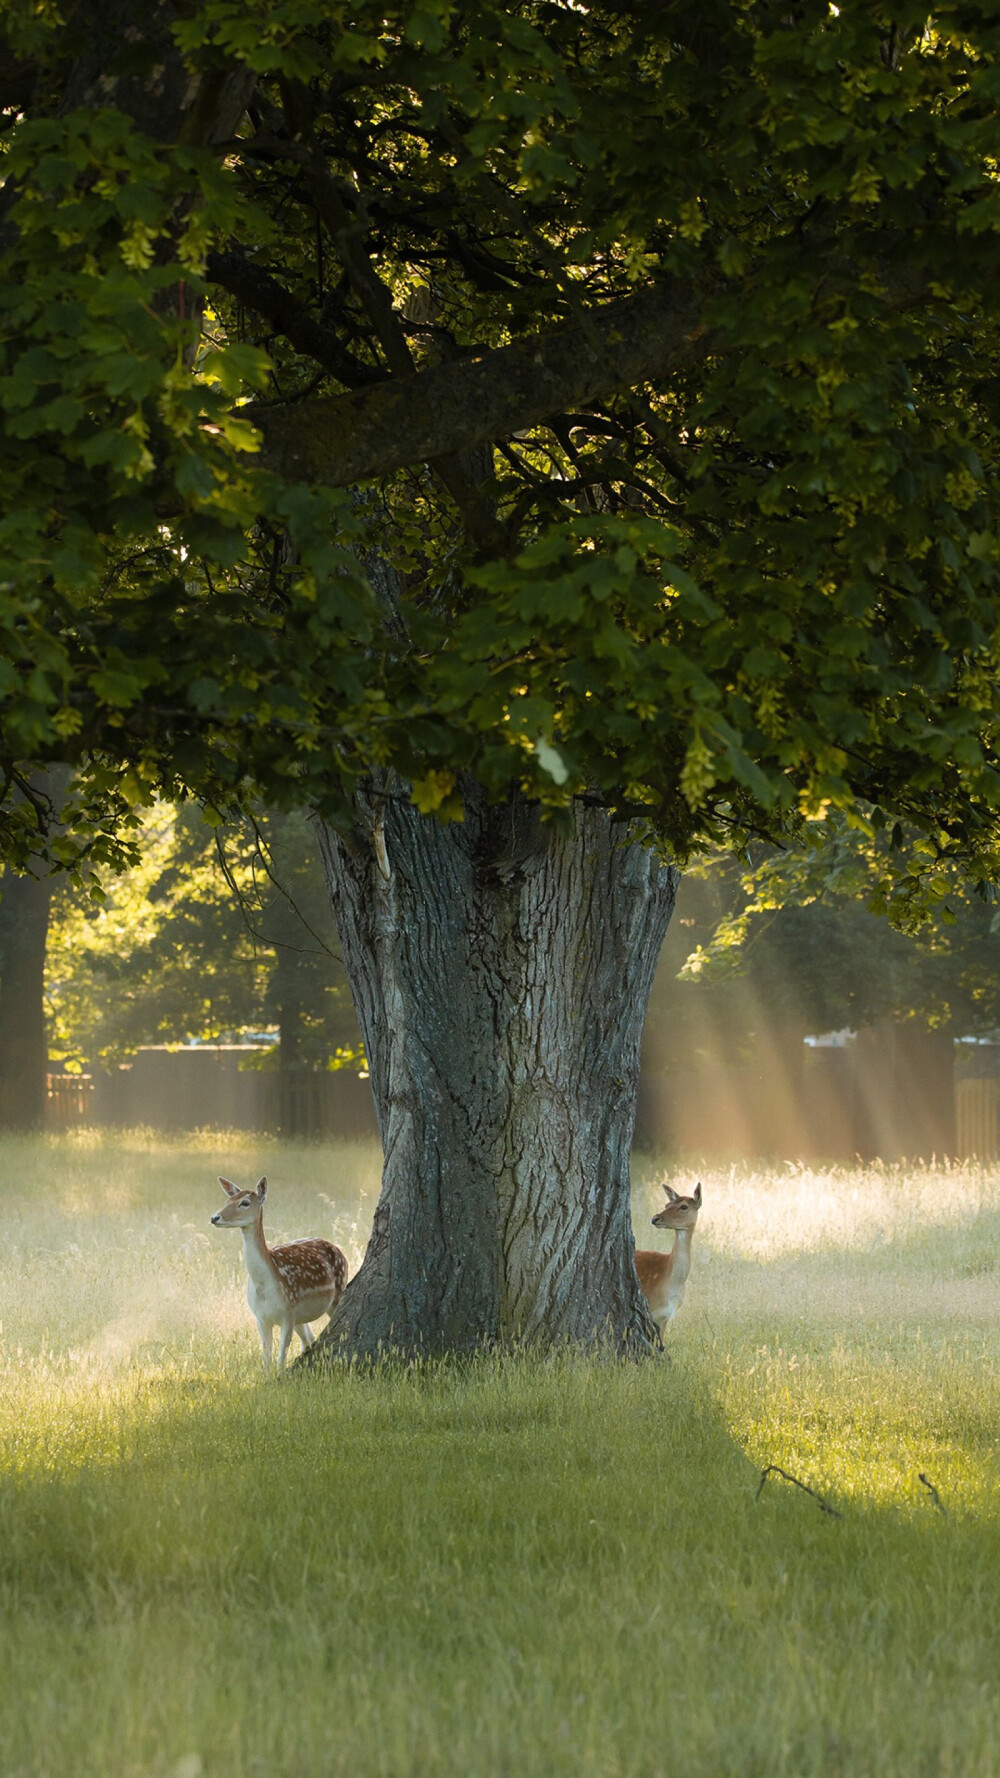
(664, 1275)
(288, 1286)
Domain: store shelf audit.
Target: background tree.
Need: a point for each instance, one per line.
(306, 994)
(661, 345)
(781, 945)
(216, 932)
(24, 920)
(25, 907)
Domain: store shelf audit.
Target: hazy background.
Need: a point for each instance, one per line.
(204, 989)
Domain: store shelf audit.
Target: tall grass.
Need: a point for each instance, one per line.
(509, 1567)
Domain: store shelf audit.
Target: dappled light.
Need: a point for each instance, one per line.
(526, 1533)
(542, 1536)
(499, 727)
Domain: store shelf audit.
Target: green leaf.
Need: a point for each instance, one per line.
(551, 761)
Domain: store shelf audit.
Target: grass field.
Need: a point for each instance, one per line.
(516, 1568)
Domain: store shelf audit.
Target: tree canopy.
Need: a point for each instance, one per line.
(600, 399)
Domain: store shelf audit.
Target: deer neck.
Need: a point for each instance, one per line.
(681, 1256)
(256, 1252)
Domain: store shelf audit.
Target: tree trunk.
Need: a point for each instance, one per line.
(289, 1013)
(500, 973)
(24, 928)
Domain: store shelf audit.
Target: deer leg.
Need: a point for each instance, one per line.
(306, 1334)
(266, 1341)
(284, 1343)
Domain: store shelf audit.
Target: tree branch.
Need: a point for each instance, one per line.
(935, 1496)
(347, 234)
(454, 407)
(472, 492)
(255, 288)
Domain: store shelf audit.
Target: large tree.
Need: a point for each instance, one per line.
(624, 381)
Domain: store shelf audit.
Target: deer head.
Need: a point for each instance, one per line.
(242, 1208)
(679, 1212)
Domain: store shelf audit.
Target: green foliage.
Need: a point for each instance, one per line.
(180, 948)
(742, 592)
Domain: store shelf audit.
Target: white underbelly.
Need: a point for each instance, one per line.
(268, 1303)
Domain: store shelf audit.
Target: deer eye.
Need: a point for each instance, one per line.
(244, 1203)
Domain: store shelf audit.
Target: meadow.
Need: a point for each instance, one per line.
(514, 1568)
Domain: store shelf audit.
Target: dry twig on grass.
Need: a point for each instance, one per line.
(932, 1491)
(775, 1469)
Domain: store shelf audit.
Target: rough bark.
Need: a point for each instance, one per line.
(24, 926)
(501, 974)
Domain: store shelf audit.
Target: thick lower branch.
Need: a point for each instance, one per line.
(456, 406)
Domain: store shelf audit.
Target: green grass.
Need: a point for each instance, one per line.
(511, 1568)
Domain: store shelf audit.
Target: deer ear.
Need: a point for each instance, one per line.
(671, 1194)
(231, 1190)
(262, 1187)
(697, 1193)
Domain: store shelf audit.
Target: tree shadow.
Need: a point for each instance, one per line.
(543, 1537)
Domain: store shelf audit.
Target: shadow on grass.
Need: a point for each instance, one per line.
(485, 1567)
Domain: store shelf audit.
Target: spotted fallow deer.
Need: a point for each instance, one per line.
(664, 1275)
(288, 1286)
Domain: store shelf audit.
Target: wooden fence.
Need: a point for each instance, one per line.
(977, 1105)
(69, 1100)
(210, 1086)
(823, 1114)
(306, 1103)
(889, 1095)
